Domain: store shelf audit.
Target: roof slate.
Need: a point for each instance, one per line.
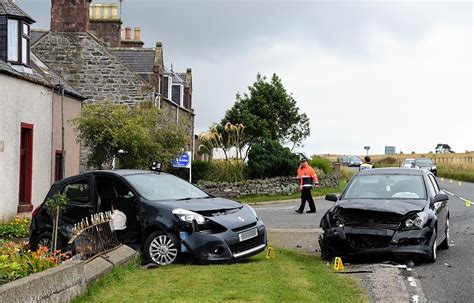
(139, 60)
(11, 9)
(36, 34)
(35, 77)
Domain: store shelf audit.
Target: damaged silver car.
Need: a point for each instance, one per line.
(390, 212)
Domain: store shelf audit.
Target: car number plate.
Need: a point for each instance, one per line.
(249, 234)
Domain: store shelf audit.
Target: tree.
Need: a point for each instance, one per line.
(268, 112)
(270, 159)
(134, 136)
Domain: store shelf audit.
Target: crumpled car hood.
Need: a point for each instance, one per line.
(198, 205)
(400, 207)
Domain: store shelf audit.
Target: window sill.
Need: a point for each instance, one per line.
(25, 208)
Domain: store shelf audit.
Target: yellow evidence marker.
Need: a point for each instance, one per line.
(270, 253)
(468, 203)
(451, 181)
(459, 183)
(442, 179)
(338, 265)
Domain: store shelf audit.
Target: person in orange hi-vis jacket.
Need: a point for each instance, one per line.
(308, 178)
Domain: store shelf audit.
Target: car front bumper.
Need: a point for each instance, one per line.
(351, 241)
(225, 246)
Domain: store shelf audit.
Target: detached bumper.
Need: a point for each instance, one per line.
(225, 246)
(350, 241)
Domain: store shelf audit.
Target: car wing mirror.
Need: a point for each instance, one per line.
(440, 197)
(331, 197)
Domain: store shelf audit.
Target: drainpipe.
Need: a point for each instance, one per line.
(62, 130)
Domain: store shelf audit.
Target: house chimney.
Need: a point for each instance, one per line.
(105, 23)
(136, 34)
(128, 33)
(70, 15)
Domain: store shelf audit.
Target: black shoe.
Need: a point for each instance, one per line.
(311, 211)
(299, 211)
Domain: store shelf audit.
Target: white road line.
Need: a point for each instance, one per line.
(465, 200)
(448, 192)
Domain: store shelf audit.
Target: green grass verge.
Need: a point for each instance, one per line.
(290, 277)
(294, 196)
(456, 173)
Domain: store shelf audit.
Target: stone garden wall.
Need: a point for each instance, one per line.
(271, 186)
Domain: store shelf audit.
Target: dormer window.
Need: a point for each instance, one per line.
(18, 35)
(177, 94)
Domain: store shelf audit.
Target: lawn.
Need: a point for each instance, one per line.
(295, 196)
(290, 277)
(461, 172)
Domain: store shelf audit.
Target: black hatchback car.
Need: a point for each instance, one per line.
(167, 216)
(395, 212)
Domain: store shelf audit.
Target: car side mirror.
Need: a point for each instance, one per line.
(331, 197)
(440, 197)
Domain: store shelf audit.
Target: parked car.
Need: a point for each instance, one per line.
(390, 212)
(425, 163)
(351, 161)
(166, 216)
(408, 163)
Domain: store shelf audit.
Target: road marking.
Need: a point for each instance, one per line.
(448, 192)
(415, 298)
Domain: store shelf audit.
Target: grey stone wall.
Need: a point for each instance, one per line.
(271, 186)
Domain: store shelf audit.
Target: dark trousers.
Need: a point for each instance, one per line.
(306, 196)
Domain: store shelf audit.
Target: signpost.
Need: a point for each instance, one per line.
(367, 149)
(183, 161)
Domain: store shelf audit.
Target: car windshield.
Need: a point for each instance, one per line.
(409, 161)
(386, 187)
(164, 187)
(425, 162)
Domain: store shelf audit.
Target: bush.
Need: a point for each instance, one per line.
(17, 261)
(321, 163)
(200, 169)
(225, 171)
(460, 172)
(347, 173)
(387, 162)
(17, 228)
(270, 159)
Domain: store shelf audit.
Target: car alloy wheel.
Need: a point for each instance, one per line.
(162, 249)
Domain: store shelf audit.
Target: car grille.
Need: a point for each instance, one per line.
(244, 227)
(246, 245)
(368, 241)
(357, 218)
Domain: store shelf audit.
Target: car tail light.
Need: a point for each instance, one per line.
(35, 211)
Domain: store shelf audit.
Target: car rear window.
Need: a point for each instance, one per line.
(386, 187)
(164, 187)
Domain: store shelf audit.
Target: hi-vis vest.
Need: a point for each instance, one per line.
(365, 166)
(307, 176)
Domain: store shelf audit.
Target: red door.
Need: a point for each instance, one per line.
(26, 167)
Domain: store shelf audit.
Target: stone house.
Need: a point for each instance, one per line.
(27, 128)
(88, 48)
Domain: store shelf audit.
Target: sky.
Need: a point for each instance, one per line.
(367, 73)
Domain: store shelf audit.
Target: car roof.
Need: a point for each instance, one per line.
(393, 171)
(124, 172)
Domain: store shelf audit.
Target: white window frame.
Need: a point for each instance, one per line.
(13, 45)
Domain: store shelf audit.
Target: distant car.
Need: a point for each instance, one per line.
(167, 216)
(394, 212)
(425, 163)
(408, 163)
(351, 161)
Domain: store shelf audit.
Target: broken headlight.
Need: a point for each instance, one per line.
(418, 221)
(188, 216)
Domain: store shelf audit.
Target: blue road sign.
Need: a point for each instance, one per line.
(183, 161)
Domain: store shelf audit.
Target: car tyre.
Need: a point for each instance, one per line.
(161, 248)
(433, 251)
(447, 239)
